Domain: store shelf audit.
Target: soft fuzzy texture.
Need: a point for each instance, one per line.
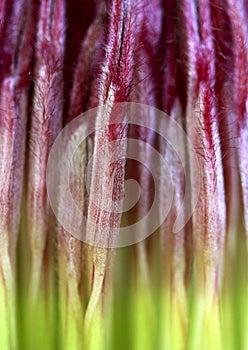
(60, 58)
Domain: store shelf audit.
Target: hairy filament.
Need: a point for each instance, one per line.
(13, 105)
(112, 84)
(236, 11)
(46, 121)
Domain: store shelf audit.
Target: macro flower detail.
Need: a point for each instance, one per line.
(123, 174)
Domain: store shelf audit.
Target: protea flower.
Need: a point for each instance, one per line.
(93, 95)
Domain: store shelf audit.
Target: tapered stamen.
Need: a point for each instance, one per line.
(16, 38)
(236, 11)
(112, 85)
(209, 217)
(46, 121)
